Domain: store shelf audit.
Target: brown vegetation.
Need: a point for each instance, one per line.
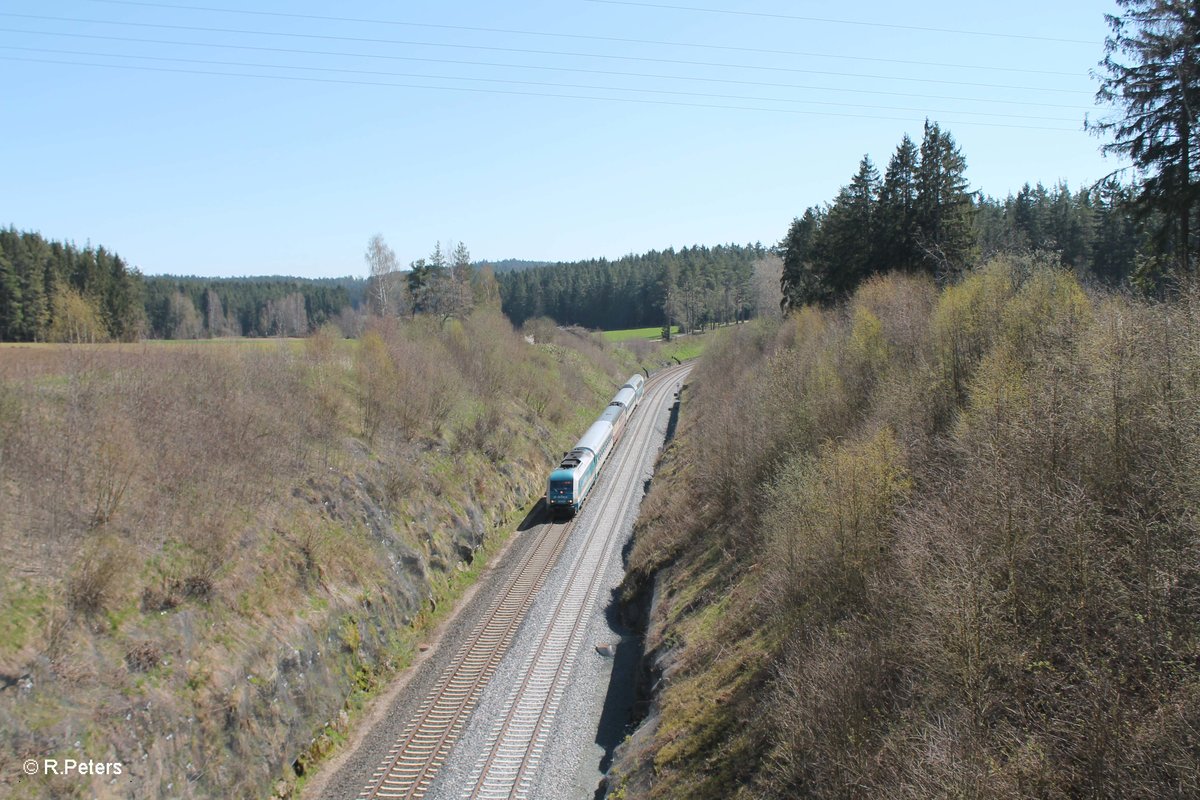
(932, 544)
(207, 552)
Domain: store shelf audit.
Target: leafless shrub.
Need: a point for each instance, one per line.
(115, 460)
(974, 534)
(541, 329)
(143, 656)
(481, 435)
(642, 349)
(95, 579)
(767, 291)
(159, 597)
(351, 323)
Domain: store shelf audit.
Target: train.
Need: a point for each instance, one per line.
(570, 484)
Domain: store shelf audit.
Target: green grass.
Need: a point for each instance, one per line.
(25, 610)
(683, 350)
(636, 333)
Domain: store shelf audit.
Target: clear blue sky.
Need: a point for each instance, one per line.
(725, 125)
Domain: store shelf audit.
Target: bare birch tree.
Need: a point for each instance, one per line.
(381, 263)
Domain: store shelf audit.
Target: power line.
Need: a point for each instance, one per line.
(538, 52)
(544, 68)
(473, 90)
(586, 37)
(552, 85)
(832, 21)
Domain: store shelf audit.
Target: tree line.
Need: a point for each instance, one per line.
(918, 217)
(1093, 230)
(921, 217)
(58, 291)
(692, 287)
(447, 284)
(195, 308)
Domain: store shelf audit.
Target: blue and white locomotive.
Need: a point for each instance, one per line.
(570, 484)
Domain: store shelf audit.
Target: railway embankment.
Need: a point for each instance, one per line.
(641, 656)
(935, 541)
(213, 554)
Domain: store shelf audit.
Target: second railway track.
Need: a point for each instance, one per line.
(519, 737)
(421, 751)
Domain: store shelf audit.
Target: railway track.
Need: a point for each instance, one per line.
(415, 759)
(519, 738)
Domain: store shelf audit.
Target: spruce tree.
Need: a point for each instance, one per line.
(844, 247)
(11, 305)
(1152, 71)
(897, 206)
(801, 283)
(1116, 239)
(943, 209)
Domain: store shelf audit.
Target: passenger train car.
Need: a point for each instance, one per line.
(570, 484)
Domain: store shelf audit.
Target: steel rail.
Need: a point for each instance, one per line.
(421, 750)
(518, 739)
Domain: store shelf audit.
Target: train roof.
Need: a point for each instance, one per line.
(596, 436)
(573, 459)
(635, 382)
(625, 396)
(612, 413)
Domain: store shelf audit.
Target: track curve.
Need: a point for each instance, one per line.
(414, 761)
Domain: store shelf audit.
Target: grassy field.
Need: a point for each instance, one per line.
(636, 333)
(685, 348)
(649, 351)
(25, 360)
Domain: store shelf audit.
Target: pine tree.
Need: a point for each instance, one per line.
(1029, 207)
(462, 298)
(1152, 70)
(420, 280)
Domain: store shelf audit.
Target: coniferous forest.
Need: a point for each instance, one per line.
(921, 216)
(190, 308)
(695, 286)
(55, 291)
(59, 292)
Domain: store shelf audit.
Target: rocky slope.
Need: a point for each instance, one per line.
(210, 554)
